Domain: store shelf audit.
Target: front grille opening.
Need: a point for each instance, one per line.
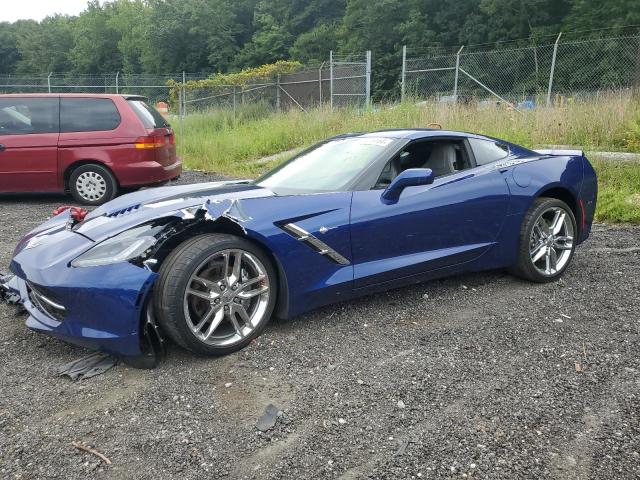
(46, 302)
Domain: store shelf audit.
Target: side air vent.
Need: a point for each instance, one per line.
(123, 211)
(315, 243)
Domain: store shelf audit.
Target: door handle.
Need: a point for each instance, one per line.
(2, 147)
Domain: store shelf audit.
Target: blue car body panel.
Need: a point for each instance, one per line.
(466, 221)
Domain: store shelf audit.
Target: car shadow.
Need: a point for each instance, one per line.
(37, 198)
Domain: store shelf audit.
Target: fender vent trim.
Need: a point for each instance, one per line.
(315, 243)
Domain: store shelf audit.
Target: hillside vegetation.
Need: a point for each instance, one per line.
(214, 36)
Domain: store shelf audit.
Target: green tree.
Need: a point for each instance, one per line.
(45, 46)
(9, 53)
(377, 28)
(191, 35)
(130, 19)
(314, 46)
(591, 14)
(95, 40)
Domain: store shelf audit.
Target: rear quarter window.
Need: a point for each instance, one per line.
(487, 151)
(88, 115)
(148, 115)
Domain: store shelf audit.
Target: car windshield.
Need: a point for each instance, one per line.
(328, 167)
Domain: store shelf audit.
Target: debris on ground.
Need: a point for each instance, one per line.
(9, 289)
(88, 366)
(268, 419)
(84, 448)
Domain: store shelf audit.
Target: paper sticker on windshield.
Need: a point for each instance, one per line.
(379, 141)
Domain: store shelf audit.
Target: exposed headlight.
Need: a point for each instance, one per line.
(124, 246)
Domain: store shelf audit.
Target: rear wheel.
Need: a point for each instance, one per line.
(215, 294)
(547, 241)
(92, 184)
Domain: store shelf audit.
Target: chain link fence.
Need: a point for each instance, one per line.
(341, 81)
(152, 86)
(538, 74)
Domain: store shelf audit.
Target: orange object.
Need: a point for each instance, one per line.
(163, 108)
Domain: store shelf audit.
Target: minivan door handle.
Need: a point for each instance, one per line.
(2, 147)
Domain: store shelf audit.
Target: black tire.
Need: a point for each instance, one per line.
(105, 189)
(174, 277)
(525, 267)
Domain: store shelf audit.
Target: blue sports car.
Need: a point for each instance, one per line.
(207, 265)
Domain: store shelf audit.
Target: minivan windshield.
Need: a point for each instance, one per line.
(148, 115)
(328, 167)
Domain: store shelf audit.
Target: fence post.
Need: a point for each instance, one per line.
(455, 81)
(234, 102)
(184, 94)
(278, 93)
(331, 79)
(368, 75)
(49, 82)
(404, 72)
(117, 76)
(320, 83)
(553, 68)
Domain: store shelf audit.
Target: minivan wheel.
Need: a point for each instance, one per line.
(92, 184)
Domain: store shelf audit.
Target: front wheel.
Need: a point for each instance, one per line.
(547, 241)
(215, 294)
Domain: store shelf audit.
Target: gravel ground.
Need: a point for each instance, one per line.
(476, 376)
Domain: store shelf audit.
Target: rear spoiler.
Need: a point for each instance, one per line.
(561, 153)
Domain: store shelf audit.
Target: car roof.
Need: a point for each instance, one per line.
(73, 95)
(412, 133)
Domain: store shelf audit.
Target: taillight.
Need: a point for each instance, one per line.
(172, 139)
(151, 141)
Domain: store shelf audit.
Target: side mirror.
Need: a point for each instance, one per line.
(409, 178)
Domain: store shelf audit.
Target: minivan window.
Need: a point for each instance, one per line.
(22, 116)
(148, 115)
(88, 115)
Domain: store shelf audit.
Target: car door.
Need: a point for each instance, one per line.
(456, 219)
(29, 130)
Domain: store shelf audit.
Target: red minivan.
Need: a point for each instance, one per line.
(87, 144)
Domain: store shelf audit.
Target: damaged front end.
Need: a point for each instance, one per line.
(9, 289)
(90, 282)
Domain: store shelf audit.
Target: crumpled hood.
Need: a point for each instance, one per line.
(139, 207)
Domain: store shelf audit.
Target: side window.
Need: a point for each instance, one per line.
(487, 151)
(88, 115)
(444, 157)
(23, 116)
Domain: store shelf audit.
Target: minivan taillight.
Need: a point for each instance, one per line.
(151, 141)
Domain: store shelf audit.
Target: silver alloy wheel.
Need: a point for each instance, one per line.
(91, 186)
(551, 241)
(226, 297)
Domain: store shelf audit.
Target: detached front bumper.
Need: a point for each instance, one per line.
(95, 307)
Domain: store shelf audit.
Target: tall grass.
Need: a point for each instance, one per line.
(223, 142)
(618, 190)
